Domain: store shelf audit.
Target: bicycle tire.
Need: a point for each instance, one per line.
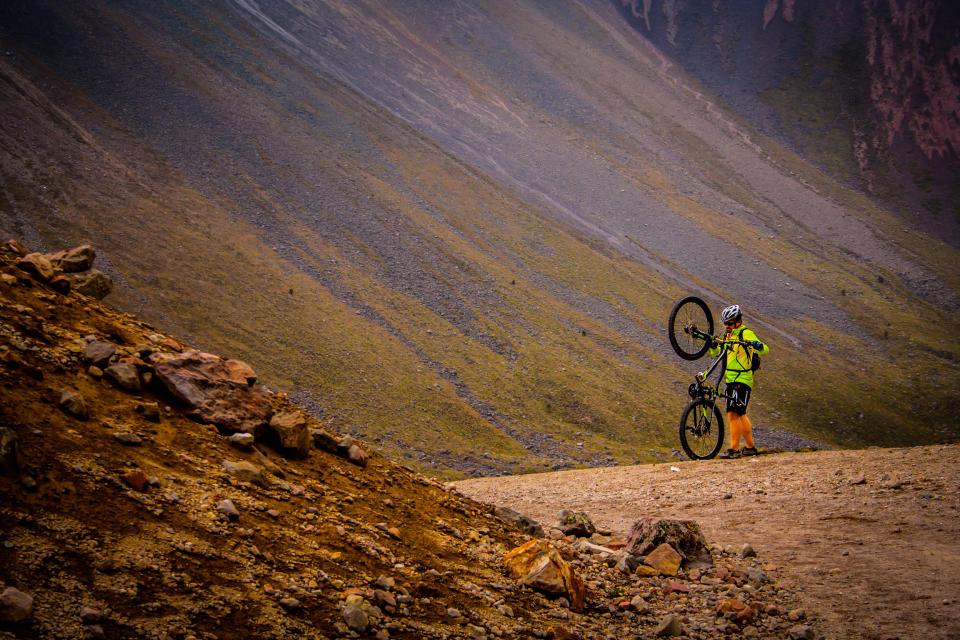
(690, 310)
(700, 438)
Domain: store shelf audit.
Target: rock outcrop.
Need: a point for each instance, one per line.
(217, 390)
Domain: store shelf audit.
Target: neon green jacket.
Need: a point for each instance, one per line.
(739, 357)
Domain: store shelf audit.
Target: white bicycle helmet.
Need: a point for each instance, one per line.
(730, 314)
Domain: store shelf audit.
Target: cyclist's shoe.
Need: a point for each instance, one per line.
(729, 454)
(749, 451)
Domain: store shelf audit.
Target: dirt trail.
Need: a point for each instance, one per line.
(871, 537)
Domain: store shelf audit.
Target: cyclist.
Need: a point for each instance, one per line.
(739, 379)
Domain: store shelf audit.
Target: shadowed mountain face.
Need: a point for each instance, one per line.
(458, 230)
(868, 90)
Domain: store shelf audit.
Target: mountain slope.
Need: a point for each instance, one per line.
(459, 232)
(869, 90)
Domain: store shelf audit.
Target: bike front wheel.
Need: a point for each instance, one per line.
(701, 429)
(689, 314)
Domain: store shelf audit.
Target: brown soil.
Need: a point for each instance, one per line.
(115, 525)
(870, 538)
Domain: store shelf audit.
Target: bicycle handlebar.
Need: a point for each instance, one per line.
(700, 335)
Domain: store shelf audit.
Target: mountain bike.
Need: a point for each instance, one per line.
(690, 330)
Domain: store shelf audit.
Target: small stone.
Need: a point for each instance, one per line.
(355, 617)
(675, 587)
(89, 615)
(125, 375)
(801, 632)
(669, 627)
(385, 582)
(10, 457)
(99, 353)
(149, 410)
(246, 471)
(28, 483)
(747, 551)
(357, 455)
(226, 507)
(136, 479)
(241, 440)
(290, 604)
(453, 613)
(74, 404)
(128, 438)
(796, 615)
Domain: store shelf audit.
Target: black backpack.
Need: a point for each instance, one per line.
(755, 358)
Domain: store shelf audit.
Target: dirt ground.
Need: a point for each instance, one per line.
(870, 537)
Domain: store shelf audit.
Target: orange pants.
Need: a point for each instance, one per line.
(740, 427)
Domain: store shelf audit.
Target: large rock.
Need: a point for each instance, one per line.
(525, 523)
(74, 260)
(219, 391)
(15, 605)
(540, 566)
(574, 523)
(37, 265)
(292, 432)
(246, 471)
(93, 283)
(684, 536)
(125, 375)
(664, 559)
(99, 353)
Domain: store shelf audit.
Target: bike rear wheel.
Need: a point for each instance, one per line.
(701, 429)
(690, 312)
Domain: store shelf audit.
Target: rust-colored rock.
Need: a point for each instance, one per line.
(538, 565)
(136, 479)
(664, 559)
(219, 391)
(291, 430)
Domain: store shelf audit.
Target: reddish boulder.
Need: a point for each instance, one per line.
(37, 265)
(219, 391)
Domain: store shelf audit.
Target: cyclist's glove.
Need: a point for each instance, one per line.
(757, 344)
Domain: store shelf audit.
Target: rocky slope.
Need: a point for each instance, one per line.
(153, 491)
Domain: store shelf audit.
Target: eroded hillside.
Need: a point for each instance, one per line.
(147, 497)
(458, 233)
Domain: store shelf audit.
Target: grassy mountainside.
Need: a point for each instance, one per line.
(458, 232)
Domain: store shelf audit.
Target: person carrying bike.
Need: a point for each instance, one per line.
(739, 378)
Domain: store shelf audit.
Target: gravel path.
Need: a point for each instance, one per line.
(871, 537)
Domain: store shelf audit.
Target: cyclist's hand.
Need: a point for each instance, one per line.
(757, 344)
(714, 344)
